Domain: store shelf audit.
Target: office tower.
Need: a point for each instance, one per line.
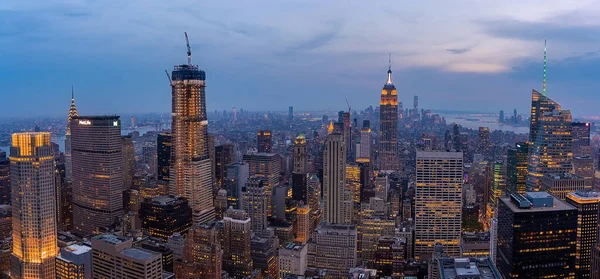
(551, 151)
(581, 138)
(237, 259)
(366, 184)
(337, 197)
(290, 115)
(254, 202)
(191, 167)
(4, 179)
(416, 103)
(363, 153)
(438, 202)
(98, 175)
(74, 262)
(498, 182)
(559, 185)
(264, 141)
(237, 174)
(501, 117)
(114, 257)
(224, 155)
(211, 154)
(537, 236)
(388, 126)
(584, 166)
(540, 105)
(278, 203)
(292, 259)
(265, 166)
(33, 206)
(485, 144)
(128, 161)
(157, 245)
(389, 256)
(165, 215)
(314, 201)
(370, 229)
(149, 157)
(595, 265)
(202, 254)
(382, 185)
(68, 160)
(264, 253)
(300, 171)
(163, 160)
(516, 169)
(333, 247)
(353, 185)
(220, 204)
(303, 224)
(587, 203)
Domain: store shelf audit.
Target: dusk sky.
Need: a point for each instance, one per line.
(267, 55)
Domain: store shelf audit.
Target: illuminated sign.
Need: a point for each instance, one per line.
(115, 123)
(85, 122)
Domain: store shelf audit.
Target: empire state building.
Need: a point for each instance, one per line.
(388, 126)
(190, 174)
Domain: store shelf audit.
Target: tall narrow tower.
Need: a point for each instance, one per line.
(300, 171)
(68, 160)
(33, 206)
(388, 126)
(191, 173)
(338, 199)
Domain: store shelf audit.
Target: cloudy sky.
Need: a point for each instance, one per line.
(266, 55)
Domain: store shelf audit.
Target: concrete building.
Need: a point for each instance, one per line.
(292, 259)
(264, 253)
(438, 202)
(265, 166)
(303, 224)
(466, 268)
(389, 257)
(202, 257)
(237, 260)
(114, 257)
(333, 247)
(561, 184)
(254, 202)
(33, 201)
(337, 197)
(74, 262)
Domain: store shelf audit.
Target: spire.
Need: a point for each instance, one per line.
(330, 128)
(72, 94)
(389, 72)
(72, 111)
(544, 83)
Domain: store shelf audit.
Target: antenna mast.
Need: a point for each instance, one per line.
(544, 83)
(189, 50)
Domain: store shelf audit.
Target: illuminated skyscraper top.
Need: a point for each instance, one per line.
(72, 112)
(190, 174)
(388, 125)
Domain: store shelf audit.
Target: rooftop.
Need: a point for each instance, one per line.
(111, 238)
(557, 205)
(467, 268)
(137, 253)
(77, 249)
(564, 176)
(165, 200)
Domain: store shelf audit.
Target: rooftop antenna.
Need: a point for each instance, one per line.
(72, 93)
(390, 61)
(544, 84)
(189, 50)
(389, 72)
(169, 77)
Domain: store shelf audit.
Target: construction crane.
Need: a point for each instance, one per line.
(168, 76)
(189, 50)
(348, 105)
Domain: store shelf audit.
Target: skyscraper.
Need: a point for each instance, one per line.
(98, 173)
(517, 167)
(581, 138)
(438, 202)
(224, 155)
(363, 153)
(4, 178)
(551, 151)
(33, 207)
(290, 115)
(164, 216)
(536, 236)
(128, 163)
(333, 247)
(202, 256)
(300, 173)
(337, 197)
(191, 171)
(68, 160)
(114, 257)
(163, 160)
(587, 203)
(254, 202)
(237, 259)
(388, 126)
(265, 166)
(237, 174)
(264, 141)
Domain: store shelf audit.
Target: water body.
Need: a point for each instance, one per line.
(474, 121)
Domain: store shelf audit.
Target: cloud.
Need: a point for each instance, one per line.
(554, 30)
(458, 50)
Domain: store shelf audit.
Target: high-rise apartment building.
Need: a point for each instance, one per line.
(202, 255)
(74, 262)
(333, 247)
(587, 203)
(128, 161)
(97, 172)
(537, 236)
(264, 141)
(114, 257)
(224, 155)
(265, 166)
(516, 169)
(237, 174)
(581, 138)
(163, 160)
(164, 216)
(237, 260)
(438, 202)
(68, 160)
(388, 126)
(33, 203)
(254, 202)
(337, 197)
(191, 166)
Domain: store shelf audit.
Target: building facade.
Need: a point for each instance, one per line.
(587, 203)
(114, 257)
(333, 247)
(388, 126)
(337, 197)
(74, 262)
(164, 216)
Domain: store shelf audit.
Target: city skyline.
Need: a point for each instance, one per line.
(259, 55)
